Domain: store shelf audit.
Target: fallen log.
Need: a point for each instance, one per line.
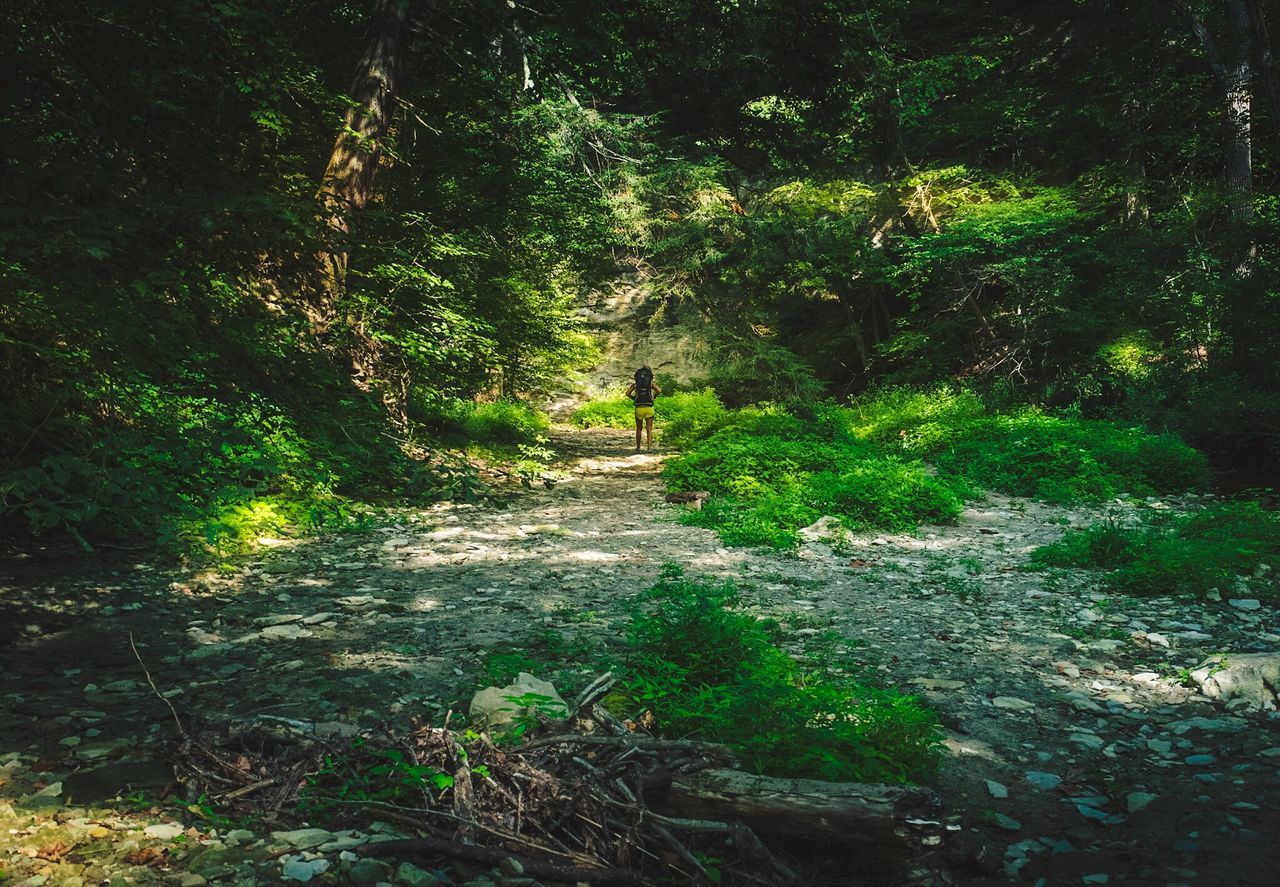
(803, 808)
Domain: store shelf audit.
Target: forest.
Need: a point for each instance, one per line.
(975, 418)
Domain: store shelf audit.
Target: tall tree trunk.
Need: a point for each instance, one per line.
(347, 185)
(1233, 69)
(1238, 83)
(1265, 67)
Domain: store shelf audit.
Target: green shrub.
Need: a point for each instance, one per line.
(765, 486)
(1191, 553)
(501, 421)
(705, 667)
(1058, 458)
(610, 411)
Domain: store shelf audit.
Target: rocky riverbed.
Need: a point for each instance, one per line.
(1083, 747)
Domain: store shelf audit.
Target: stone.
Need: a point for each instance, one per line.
(1007, 823)
(1159, 746)
(343, 841)
(1157, 639)
(1042, 780)
(303, 838)
(284, 633)
(1012, 703)
(369, 873)
(1098, 878)
(1254, 677)
(1086, 615)
(1135, 801)
(1199, 760)
(191, 879)
(121, 686)
(511, 867)
(938, 683)
(822, 528)
(498, 708)
(996, 789)
(237, 836)
(1245, 603)
(295, 868)
(164, 831)
(1090, 741)
(409, 875)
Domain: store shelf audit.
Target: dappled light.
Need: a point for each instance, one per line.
(735, 444)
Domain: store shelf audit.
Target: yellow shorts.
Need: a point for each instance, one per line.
(644, 413)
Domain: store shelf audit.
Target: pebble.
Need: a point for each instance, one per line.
(1135, 801)
(298, 869)
(1042, 780)
(304, 838)
(164, 831)
(1199, 760)
(1245, 603)
(1007, 823)
(996, 789)
(1012, 703)
(409, 875)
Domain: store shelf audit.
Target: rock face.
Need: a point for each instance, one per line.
(498, 708)
(634, 325)
(1253, 677)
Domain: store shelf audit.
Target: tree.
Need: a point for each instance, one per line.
(347, 185)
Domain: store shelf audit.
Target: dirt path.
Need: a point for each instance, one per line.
(1073, 753)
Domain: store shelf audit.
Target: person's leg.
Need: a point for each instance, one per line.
(648, 427)
(639, 431)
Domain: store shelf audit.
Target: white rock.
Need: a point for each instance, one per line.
(297, 869)
(1012, 703)
(1251, 676)
(1245, 603)
(497, 708)
(164, 831)
(1158, 639)
(285, 633)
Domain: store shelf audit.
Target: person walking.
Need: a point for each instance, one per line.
(643, 391)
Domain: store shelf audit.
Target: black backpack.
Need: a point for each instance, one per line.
(644, 387)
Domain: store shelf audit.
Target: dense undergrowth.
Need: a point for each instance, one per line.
(901, 457)
(1232, 548)
(698, 663)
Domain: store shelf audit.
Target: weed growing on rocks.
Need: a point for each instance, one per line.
(1192, 553)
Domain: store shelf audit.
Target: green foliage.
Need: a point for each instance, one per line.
(363, 773)
(608, 411)
(1059, 458)
(1192, 553)
(502, 421)
(770, 475)
(705, 667)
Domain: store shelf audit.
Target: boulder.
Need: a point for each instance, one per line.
(499, 708)
(1253, 677)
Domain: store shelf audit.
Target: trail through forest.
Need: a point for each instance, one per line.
(1074, 750)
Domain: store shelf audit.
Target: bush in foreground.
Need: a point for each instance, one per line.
(1190, 553)
(703, 666)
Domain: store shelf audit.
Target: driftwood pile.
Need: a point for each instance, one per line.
(587, 801)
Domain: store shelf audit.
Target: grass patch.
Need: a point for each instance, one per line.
(771, 473)
(500, 422)
(1190, 553)
(1057, 458)
(703, 666)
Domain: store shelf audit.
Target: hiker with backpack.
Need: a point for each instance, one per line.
(642, 392)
